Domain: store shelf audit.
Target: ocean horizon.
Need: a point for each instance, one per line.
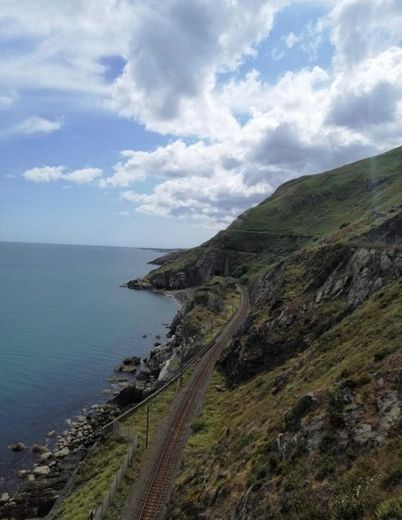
(65, 322)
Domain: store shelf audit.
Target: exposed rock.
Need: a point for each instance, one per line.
(46, 456)
(389, 411)
(333, 282)
(17, 446)
(304, 405)
(37, 448)
(41, 470)
(51, 434)
(129, 395)
(313, 431)
(280, 382)
(5, 497)
(62, 453)
(129, 365)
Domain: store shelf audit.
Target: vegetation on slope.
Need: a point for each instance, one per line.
(309, 426)
(332, 206)
(318, 437)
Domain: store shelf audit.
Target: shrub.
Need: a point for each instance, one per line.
(390, 509)
(393, 478)
(198, 425)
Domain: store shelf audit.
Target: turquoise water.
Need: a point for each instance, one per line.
(64, 324)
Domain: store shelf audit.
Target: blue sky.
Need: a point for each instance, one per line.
(157, 123)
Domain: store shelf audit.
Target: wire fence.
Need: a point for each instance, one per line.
(100, 511)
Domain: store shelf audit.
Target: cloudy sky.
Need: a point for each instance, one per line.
(156, 122)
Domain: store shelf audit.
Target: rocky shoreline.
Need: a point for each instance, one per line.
(58, 458)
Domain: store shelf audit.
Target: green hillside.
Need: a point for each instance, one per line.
(330, 207)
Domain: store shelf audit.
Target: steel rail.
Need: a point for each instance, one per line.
(157, 491)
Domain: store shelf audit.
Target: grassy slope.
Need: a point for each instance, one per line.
(331, 206)
(232, 453)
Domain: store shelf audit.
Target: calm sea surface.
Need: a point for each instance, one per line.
(64, 324)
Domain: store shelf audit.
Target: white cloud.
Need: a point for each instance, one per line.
(177, 50)
(247, 134)
(63, 43)
(362, 29)
(291, 39)
(198, 199)
(7, 100)
(46, 174)
(372, 95)
(36, 125)
(83, 176)
(177, 159)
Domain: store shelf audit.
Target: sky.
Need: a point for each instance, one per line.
(155, 123)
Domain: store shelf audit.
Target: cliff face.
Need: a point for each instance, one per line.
(303, 297)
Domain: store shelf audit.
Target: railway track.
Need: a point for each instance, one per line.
(158, 490)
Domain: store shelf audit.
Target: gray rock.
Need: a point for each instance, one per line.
(62, 453)
(37, 448)
(46, 455)
(41, 471)
(5, 497)
(363, 434)
(389, 411)
(304, 405)
(17, 446)
(313, 433)
(385, 263)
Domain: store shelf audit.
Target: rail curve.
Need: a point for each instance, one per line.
(157, 493)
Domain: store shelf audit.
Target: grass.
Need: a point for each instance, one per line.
(101, 466)
(232, 453)
(332, 206)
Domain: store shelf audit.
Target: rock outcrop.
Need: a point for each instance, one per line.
(303, 297)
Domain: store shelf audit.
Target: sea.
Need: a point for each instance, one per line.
(65, 323)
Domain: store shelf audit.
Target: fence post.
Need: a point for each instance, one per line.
(99, 512)
(147, 433)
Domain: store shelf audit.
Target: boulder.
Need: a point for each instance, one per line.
(17, 446)
(37, 448)
(62, 453)
(41, 471)
(51, 434)
(5, 497)
(46, 455)
(129, 395)
(304, 405)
